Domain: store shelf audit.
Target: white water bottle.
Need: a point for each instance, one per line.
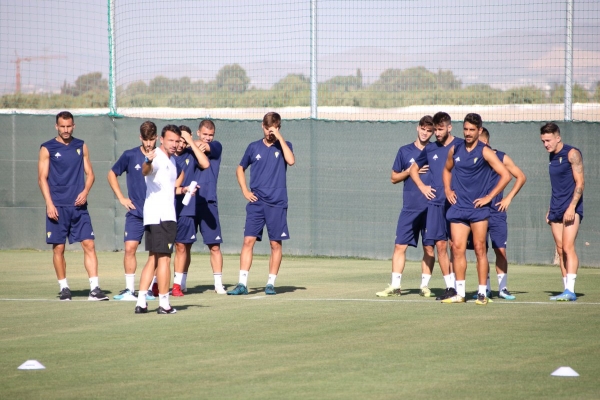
(188, 195)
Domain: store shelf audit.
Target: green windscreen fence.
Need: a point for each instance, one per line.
(341, 200)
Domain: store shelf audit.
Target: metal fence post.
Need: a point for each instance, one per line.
(569, 64)
(313, 59)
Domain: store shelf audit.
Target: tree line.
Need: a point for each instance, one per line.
(231, 89)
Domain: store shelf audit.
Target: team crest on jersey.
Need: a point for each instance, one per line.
(560, 160)
(137, 166)
(475, 160)
(187, 161)
(258, 157)
(457, 159)
(57, 154)
(48, 234)
(412, 161)
(78, 152)
(435, 157)
(276, 154)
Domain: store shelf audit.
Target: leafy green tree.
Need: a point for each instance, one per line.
(579, 94)
(232, 78)
(91, 82)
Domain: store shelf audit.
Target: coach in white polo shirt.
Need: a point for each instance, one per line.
(162, 183)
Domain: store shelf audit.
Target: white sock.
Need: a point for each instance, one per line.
(571, 282)
(396, 280)
(271, 280)
(152, 283)
(63, 283)
(453, 277)
(184, 281)
(482, 289)
(449, 281)
(142, 298)
(565, 281)
(218, 280)
(244, 277)
(502, 281)
(178, 278)
(163, 301)
(460, 288)
(130, 282)
(489, 288)
(94, 282)
(425, 280)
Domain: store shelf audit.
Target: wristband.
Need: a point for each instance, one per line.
(147, 160)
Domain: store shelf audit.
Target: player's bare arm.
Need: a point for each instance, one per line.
(89, 178)
(113, 182)
(288, 155)
(447, 177)
(183, 189)
(43, 171)
(241, 178)
(414, 172)
(199, 154)
(520, 181)
(505, 177)
(577, 167)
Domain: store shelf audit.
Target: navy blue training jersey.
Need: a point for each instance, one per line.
(207, 178)
(470, 176)
(412, 198)
(267, 174)
(66, 176)
(562, 181)
(131, 162)
(435, 155)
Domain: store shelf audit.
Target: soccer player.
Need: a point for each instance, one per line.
(497, 225)
(411, 221)
(65, 176)
(190, 160)
(566, 204)
(131, 162)
(162, 183)
(207, 212)
(267, 199)
(466, 182)
(437, 229)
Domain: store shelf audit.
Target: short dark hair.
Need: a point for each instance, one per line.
(441, 117)
(185, 128)
(272, 119)
(64, 115)
(207, 123)
(474, 119)
(427, 120)
(148, 130)
(485, 133)
(172, 128)
(550, 127)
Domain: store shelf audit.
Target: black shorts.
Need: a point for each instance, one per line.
(160, 238)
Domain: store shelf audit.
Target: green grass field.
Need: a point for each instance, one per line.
(325, 335)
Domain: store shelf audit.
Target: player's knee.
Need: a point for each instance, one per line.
(88, 245)
(275, 245)
(215, 249)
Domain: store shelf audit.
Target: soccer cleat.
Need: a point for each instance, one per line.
(238, 290)
(64, 294)
(220, 290)
(506, 295)
(389, 292)
(454, 299)
(426, 292)
(150, 296)
(482, 300)
(488, 294)
(184, 289)
(449, 292)
(154, 289)
(140, 310)
(270, 289)
(166, 311)
(567, 295)
(125, 295)
(176, 292)
(97, 295)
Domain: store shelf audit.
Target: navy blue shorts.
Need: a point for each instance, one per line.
(207, 214)
(557, 216)
(186, 230)
(259, 214)
(466, 216)
(410, 225)
(438, 227)
(497, 232)
(134, 228)
(73, 222)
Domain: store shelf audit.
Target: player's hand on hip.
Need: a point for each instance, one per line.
(503, 205)
(478, 203)
(128, 204)
(250, 196)
(428, 192)
(52, 212)
(451, 196)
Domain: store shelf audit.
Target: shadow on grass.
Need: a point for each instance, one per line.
(278, 289)
(555, 293)
(200, 289)
(86, 293)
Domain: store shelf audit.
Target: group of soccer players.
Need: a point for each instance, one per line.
(453, 198)
(158, 178)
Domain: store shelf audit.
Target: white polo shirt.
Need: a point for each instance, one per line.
(160, 190)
